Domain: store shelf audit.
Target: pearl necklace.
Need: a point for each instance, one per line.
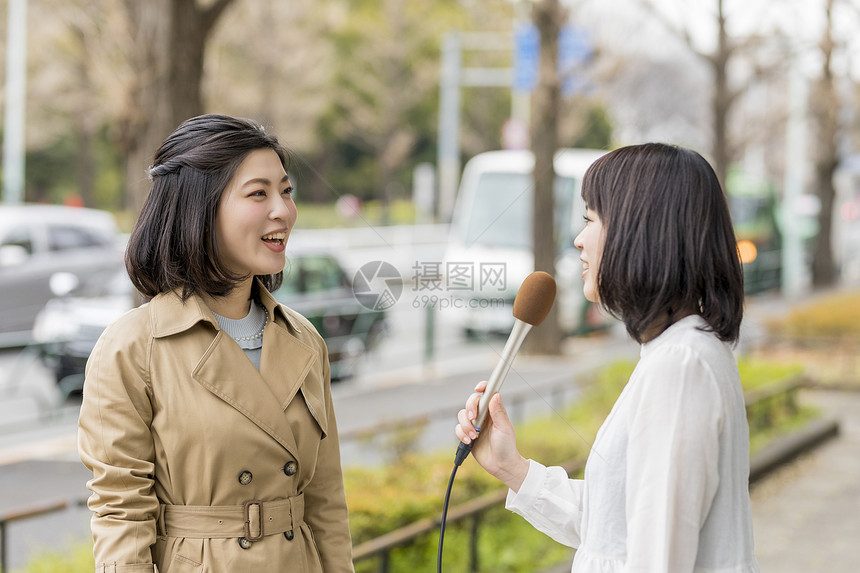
(259, 334)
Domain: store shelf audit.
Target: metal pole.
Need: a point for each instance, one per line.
(448, 150)
(794, 273)
(16, 78)
(429, 333)
(473, 542)
(2, 546)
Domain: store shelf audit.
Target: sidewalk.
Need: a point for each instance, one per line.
(807, 514)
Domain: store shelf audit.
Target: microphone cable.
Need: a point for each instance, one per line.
(462, 453)
(531, 306)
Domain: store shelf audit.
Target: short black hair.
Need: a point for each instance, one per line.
(669, 241)
(172, 245)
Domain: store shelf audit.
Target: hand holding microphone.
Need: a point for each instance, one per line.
(532, 304)
(499, 454)
(496, 451)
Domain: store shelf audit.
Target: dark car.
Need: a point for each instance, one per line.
(315, 285)
(38, 241)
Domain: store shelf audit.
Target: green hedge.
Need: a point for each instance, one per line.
(832, 316)
(373, 213)
(385, 498)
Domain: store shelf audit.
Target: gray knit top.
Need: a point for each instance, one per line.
(247, 332)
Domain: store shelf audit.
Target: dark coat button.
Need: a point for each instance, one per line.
(244, 543)
(245, 477)
(289, 535)
(291, 468)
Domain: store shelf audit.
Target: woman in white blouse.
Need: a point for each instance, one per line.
(666, 482)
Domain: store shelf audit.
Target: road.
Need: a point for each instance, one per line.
(810, 500)
(399, 381)
(38, 462)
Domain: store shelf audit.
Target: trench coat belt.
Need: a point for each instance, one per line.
(252, 520)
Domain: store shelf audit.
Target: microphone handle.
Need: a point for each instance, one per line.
(494, 384)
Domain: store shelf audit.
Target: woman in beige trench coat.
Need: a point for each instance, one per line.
(213, 453)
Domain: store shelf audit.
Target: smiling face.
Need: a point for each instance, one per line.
(255, 216)
(590, 242)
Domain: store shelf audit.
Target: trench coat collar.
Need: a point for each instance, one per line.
(171, 315)
(262, 395)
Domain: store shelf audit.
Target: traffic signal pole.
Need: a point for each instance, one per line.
(13, 122)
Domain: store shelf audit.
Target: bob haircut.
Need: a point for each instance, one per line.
(669, 244)
(172, 245)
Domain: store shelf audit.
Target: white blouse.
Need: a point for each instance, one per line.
(666, 484)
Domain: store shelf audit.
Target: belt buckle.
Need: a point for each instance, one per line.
(246, 508)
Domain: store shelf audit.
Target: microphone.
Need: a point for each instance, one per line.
(532, 304)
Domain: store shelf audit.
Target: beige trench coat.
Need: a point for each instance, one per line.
(175, 415)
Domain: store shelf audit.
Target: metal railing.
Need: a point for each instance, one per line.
(764, 399)
(762, 402)
(13, 515)
(758, 402)
(471, 511)
(552, 393)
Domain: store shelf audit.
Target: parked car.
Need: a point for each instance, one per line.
(69, 325)
(39, 241)
(315, 285)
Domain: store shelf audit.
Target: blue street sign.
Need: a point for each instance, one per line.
(573, 51)
(526, 57)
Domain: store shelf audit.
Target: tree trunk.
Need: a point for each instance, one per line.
(190, 27)
(825, 109)
(170, 44)
(85, 176)
(722, 100)
(823, 265)
(188, 34)
(146, 118)
(548, 16)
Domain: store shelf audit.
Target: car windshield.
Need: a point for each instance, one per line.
(503, 206)
(311, 274)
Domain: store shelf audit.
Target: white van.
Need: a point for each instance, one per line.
(491, 235)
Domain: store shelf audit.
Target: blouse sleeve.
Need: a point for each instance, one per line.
(115, 443)
(672, 460)
(551, 502)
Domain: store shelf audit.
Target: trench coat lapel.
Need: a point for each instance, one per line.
(223, 369)
(286, 361)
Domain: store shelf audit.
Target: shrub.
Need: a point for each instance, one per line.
(758, 373)
(833, 316)
(76, 558)
(382, 499)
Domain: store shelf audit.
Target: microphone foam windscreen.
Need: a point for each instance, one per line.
(535, 298)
